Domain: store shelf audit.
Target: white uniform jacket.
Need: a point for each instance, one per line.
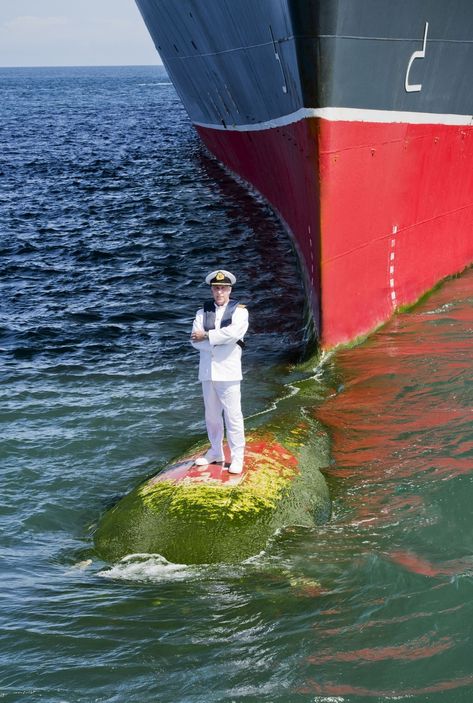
(220, 355)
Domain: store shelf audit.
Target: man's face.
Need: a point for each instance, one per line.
(221, 294)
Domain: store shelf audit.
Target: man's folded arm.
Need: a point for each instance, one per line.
(198, 326)
(233, 332)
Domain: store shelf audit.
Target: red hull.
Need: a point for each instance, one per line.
(379, 212)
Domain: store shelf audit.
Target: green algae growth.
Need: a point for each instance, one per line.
(197, 519)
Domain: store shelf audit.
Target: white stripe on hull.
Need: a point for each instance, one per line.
(347, 114)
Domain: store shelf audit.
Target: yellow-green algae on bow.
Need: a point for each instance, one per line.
(262, 489)
(205, 521)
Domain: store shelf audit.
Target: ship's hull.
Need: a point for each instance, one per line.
(353, 118)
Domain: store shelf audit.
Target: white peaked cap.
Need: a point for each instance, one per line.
(220, 277)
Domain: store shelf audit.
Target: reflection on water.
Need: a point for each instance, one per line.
(397, 560)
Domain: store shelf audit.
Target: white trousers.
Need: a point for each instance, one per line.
(222, 400)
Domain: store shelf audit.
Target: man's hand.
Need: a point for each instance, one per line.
(199, 336)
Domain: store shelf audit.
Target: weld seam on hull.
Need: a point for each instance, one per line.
(298, 37)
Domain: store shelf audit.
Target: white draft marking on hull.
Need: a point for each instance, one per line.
(392, 259)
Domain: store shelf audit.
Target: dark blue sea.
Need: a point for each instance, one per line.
(111, 215)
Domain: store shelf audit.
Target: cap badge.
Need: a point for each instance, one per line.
(220, 276)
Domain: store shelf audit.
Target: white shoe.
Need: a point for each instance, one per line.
(236, 467)
(209, 458)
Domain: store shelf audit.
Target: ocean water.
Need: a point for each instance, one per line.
(111, 214)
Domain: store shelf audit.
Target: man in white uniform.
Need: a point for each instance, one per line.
(217, 333)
